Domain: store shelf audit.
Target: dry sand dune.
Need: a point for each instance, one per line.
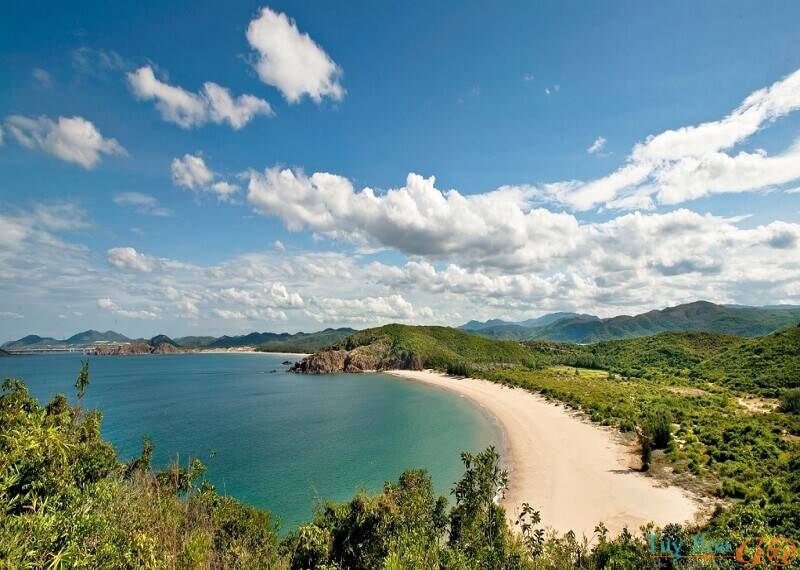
(574, 472)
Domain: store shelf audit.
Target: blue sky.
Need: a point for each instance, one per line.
(138, 214)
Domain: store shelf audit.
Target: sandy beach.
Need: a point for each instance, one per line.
(248, 350)
(576, 473)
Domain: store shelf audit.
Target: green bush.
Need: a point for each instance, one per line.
(459, 369)
(790, 401)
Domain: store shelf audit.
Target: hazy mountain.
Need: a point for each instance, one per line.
(90, 336)
(553, 317)
(521, 330)
(194, 341)
(700, 316)
(284, 342)
(160, 339)
(32, 341)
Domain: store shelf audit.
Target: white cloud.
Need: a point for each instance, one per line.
(692, 162)
(10, 315)
(142, 203)
(43, 77)
(129, 258)
(291, 60)
(192, 173)
(278, 245)
(96, 62)
(227, 314)
(109, 305)
(597, 146)
(72, 139)
(366, 310)
(418, 219)
(188, 109)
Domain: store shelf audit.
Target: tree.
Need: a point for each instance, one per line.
(476, 519)
(83, 379)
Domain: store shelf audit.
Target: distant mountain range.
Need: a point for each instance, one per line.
(700, 316)
(270, 342)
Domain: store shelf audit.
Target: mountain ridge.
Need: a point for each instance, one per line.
(698, 316)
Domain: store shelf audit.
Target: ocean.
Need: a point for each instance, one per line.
(280, 441)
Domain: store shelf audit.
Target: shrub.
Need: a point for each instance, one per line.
(459, 369)
(790, 401)
(658, 425)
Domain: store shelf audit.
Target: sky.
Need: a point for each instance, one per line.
(184, 168)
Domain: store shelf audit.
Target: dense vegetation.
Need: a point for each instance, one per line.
(700, 316)
(768, 364)
(67, 502)
(304, 342)
(699, 405)
(695, 402)
(435, 347)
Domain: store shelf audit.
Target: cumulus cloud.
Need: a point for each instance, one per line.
(191, 172)
(72, 139)
(366, 310)
(695, 161)
(129, 258)
(186, 109)
(597, 146)
(498, 227)
(109, 305)
(290, 60)
(141, 203)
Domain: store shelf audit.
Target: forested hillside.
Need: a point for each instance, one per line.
(700, 316)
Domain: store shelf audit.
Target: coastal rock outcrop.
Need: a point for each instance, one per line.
(366, 358)
(165, 348)
(321, 362)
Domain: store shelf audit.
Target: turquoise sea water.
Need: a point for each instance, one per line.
(281, 440)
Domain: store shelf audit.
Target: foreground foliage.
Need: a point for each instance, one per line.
(67, 502)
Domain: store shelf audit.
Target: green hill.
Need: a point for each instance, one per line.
(90, 336)
(405, 346)
(194, 341)
(667, 352)
(283, 342)
(31, 341)
(306, 342)
(160, 339)
(770, 363)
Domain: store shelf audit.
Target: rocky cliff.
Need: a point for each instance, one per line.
(367, 358)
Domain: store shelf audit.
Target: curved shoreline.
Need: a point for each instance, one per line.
(574, 472)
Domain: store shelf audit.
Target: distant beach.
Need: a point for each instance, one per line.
(247, 350)
(575, 473)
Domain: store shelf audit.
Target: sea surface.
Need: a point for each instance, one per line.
(277, 440)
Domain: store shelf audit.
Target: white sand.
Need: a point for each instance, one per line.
(574, 472)
(246, 350)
